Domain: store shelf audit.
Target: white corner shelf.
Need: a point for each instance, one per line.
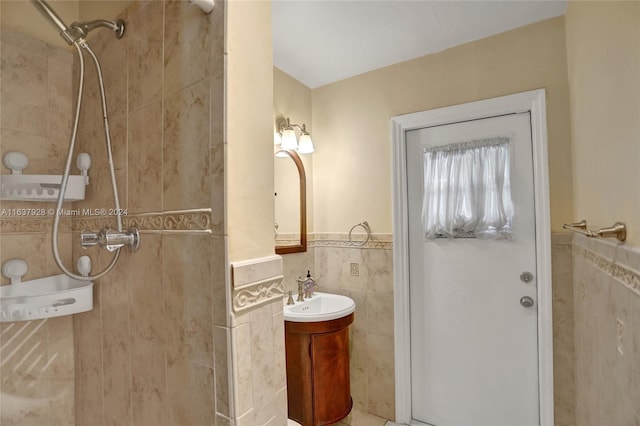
(40, 187)
(47, 297)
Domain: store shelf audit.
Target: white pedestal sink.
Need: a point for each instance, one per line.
(320, 307)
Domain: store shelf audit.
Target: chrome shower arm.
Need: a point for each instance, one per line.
(85, 27)
(78, 30)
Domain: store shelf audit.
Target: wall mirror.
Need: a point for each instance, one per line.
(290, 185)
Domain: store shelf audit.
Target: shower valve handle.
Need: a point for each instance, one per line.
(111, 240)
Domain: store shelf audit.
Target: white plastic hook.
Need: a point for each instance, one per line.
(205, 5)
(14, 269)
(84, 265)
(15, 161)
(84, 164)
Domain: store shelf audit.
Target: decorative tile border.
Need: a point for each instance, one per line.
(624, 274)
(176, 221)
(21, 225)
(195, 220)
(182, 221)
(376, 241)
(257, 294)
(256, 282)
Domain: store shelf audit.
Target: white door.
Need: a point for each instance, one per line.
(474, 354)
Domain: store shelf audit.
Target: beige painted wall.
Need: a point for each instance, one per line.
(249, 130)
(352, 162)
(603, 55)
(100, 9)
(293, 99)
(23, 17)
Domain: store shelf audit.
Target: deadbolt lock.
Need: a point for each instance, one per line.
(526, 277)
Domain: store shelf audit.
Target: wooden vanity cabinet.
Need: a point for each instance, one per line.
(318, 384)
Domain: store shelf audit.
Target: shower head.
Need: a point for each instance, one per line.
(77, 30)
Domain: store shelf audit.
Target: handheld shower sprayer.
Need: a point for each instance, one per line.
(111, 240)
(77, 30)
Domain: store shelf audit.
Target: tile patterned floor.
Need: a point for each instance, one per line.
(360, 418)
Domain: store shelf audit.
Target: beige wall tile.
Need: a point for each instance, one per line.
(218, 280)
(380, 370)
(190, 391)
(187, 45)
(32, 145)
(88, 353)
(34, 249)
(605, 360)
(358, 362)
(25, 354)
(113, 57)
(144, 54)
(216, 173)
(222, 366)
(24, 402)
(60, 93)
(189, 296)
(148, 320)
(148, 383)
(243, 376)
(60, 360)
(61, 402)
(24, 88)
(114, 292)
(144, 160)
(266, 367)
(185, 162)
(380, 313)
(563, 329)
(36, 354)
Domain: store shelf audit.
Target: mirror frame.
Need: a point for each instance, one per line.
(302, 247)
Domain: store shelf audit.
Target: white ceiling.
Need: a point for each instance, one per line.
(322, 41)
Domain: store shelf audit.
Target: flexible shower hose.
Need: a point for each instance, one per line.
(65, 178)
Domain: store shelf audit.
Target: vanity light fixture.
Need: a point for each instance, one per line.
(285, 136)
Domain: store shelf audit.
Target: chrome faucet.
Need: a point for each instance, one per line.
(300, 282)
(111, 240)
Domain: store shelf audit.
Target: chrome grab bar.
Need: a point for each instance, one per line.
(617, 230)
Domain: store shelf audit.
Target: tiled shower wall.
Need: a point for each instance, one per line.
(335, 262)
(607, 332)
(36, 357)
(149, 353)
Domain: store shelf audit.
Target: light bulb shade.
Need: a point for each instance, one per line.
(306, 145)
(289, 140)
(277, 139)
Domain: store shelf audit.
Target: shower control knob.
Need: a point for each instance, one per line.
(526, 301)
(526, 277)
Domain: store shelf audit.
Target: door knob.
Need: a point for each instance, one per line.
(526, 301)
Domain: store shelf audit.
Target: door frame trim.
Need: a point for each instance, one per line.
(534, 102)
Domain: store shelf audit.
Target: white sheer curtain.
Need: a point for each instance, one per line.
(467, 190)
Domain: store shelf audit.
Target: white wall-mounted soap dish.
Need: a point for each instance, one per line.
(21, 187)
(47, 297)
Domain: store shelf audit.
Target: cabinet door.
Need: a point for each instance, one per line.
(330, 370)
